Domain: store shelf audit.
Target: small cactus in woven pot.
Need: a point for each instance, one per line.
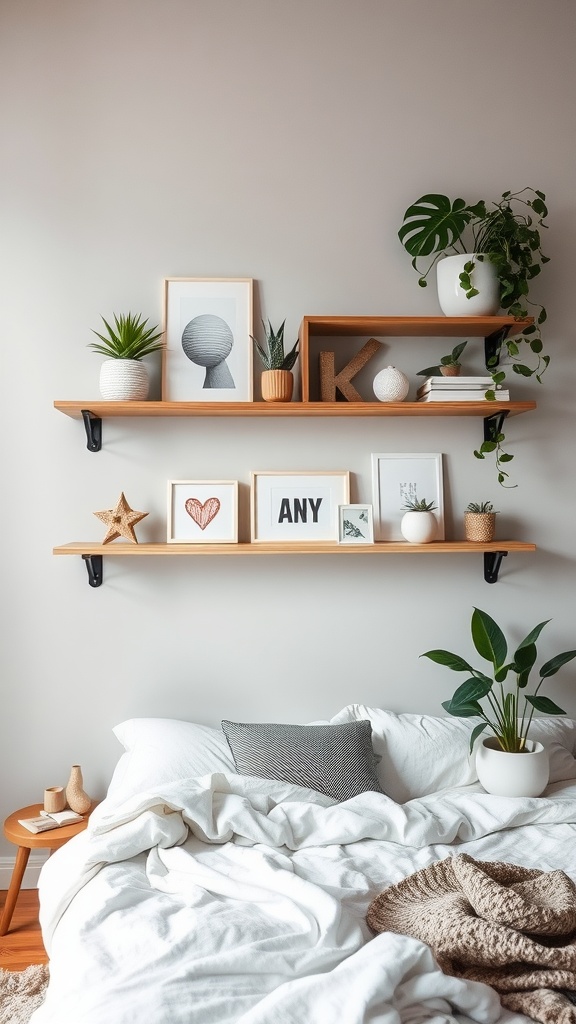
(480, 522)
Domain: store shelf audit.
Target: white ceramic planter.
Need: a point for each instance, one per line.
(504, 774)
(451, 295)
(419, 527)
(124, 380)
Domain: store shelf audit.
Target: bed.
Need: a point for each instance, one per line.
(204, 892)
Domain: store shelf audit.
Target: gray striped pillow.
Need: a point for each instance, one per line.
(337, 760)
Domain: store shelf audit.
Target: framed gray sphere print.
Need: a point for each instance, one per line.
(207, 355)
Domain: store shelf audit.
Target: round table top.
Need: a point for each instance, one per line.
(52, 839)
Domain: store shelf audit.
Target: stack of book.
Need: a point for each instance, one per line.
(459, 389)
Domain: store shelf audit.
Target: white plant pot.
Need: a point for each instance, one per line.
(123, 380)
(451, 295)
(419, 527)
(504, 774)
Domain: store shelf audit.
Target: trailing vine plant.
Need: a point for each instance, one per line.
(506, 234)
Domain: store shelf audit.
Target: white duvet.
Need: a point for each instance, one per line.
(232, 900)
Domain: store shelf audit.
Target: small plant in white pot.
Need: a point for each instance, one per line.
(277, 379)
(508, 762)
(418, 524)
(123, 375)
(480, 521)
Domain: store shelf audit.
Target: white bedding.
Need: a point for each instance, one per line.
(234, 900)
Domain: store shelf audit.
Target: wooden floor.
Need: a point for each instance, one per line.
(22, 945)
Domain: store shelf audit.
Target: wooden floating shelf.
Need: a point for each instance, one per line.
(413, 326)
(122, 548)
(93, 553)
(105, 410)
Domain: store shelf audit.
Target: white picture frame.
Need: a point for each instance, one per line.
(355, 524)
(208, 347)
(202, 512)
(296, 507)
(401, 476)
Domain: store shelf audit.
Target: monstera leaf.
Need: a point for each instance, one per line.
(434, 224)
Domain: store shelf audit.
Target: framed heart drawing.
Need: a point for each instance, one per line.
(202, 512)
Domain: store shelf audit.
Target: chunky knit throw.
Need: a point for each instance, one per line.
(511, 927)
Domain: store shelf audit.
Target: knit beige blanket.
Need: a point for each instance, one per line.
(510, 927)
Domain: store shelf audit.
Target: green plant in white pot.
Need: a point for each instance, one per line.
(504, 235)
(507, 711)
(123, 375)
(487, 256)
(419, 524)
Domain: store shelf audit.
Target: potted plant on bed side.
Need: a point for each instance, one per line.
(508, 762)
(277, 379)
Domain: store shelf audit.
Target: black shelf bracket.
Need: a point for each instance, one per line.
(93, 427)
(493, 346)
(94, 569)
(492, 563)
(493, 424)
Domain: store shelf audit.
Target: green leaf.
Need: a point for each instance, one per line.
(488, 638)
(551, 667)
(472, 710)
(545, 705)
(472, 689)
(452, 661)
(476, 732)
(532, 636)
(505, 457)
(433, 224)
(523, 370)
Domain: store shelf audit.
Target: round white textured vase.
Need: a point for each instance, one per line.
(451, 295)
(124, 380)
(505, 774)
(391, 385)
(419, 527)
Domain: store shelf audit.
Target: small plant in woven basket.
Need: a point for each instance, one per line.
(480, 521)
(418, 505)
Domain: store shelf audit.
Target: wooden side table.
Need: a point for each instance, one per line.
(26, 841)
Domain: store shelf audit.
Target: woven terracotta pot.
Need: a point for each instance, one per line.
(480, 526)
(277, 385)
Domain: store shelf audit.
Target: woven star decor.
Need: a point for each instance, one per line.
(120, 520)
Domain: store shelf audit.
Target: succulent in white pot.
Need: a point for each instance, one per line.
(123, 375)
(419, 525)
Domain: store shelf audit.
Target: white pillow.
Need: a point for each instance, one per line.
(422, 754)
(162, 750)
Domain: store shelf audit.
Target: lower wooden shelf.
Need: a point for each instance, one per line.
(93, 553)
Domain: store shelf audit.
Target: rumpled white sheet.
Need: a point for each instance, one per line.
(231, 900)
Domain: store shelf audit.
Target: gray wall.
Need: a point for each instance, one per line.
(282, 142)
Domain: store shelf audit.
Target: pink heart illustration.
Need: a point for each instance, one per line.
(202, 514)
